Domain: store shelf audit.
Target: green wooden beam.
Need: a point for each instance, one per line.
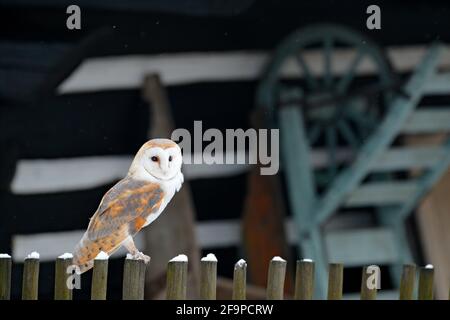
(381, 193)
(400, 109)
(428, 120)
(361, 246)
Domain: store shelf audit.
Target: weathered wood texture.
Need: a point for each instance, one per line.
(133, 279)
(5, 278)
(264, 234)
(30, 279)
(62, 290)
(304, 280)
(99, 280)
(208, 280)
(433, 219)
(335, 281)
(275, 280)
(177, 280)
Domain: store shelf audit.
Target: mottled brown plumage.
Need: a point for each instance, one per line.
(132, 203)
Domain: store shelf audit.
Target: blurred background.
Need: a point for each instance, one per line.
(75, 106)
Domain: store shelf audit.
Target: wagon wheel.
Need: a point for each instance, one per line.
(340, 111)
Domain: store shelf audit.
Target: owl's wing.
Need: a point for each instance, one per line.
(129, 201)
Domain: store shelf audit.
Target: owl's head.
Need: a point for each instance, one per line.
(161, 158)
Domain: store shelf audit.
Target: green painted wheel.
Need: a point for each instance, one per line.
(340, 110)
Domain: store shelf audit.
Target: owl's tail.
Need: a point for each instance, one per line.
(86, 250)
(85, 253)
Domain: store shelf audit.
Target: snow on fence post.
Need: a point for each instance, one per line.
(133, 278)
(5, 276)
(100, 277)
(407, 282)
(304, 280)
(366, 292)
(240, 281)
(335, 281)
(177, 270)
(62, 265)
(30, 277)
(208, 277)
(426, 278)
(275, 279)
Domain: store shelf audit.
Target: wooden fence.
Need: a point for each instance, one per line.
(177, 271)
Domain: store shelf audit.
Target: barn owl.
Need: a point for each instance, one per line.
(133, 203)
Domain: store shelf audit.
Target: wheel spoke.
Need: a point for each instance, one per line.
(348, 134)
(345, 81)
(310, 80)
(327, 51)
(314, 134)
(362, 119)
(331, 145)
(364, 124)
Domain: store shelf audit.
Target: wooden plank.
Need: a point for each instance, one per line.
(381, 193)
(361, 247)
(263, 227)
(438, 84)
(30, 278)
(62, 292)
(426, 279)
(239, 281)
(275, 279)
(428, 120)
(174, 231)
(335, 281)
(403, 158)
(5, 276)
(99, 282)
(300, 181)
(366, 292)
(383, 137)
(304, 280)
(407, 282)
(433, 221)
(177, 270)
(208, 277)
(133, 279)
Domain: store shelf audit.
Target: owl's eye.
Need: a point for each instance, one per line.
(170, 158)
(154, 159)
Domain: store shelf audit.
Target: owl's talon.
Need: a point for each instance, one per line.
(140, 255)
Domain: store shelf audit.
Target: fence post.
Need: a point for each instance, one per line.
(275, 280)
(62, 290)
(30, 277)
(177, 272)
(240, 280)
(99, 283)
(5, 276)
(407, 282)
(335, 281)
(304, 280)
(426, 277)
(366, 292)
(208, 277)
(133, 278)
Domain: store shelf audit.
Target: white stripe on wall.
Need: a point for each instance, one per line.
(210, 235)
(52, 244)
(127, 72)
(59, 175)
